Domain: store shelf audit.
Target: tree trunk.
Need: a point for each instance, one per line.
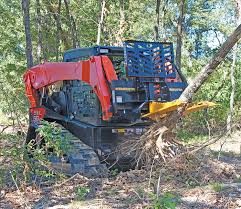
(180, 34)
(39, 29)
(231, 100)
(74, 42)
(26, 18)
(46, 20)
(171, 120)
(121, 31)
(57, 19)
(197, 82)
(100, 22)
(162, 33)
(58, 26)
(232, 72)
(75, 32)
(157, 24)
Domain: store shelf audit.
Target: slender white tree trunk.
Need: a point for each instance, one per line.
(231, 101)
(119, 35)
(232, 75)
(100, 22)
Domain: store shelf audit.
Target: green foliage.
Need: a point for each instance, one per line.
(13, 153)
(32, 159)
(237, 180)
(217, 187)
(49, 143)
(187, 136)
(82, 192)
(53, 139)
(113, 172)
(165, 201)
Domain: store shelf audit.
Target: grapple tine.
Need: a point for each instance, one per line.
(159, 110)
(199, 106)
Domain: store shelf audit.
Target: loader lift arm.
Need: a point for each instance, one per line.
(97, 72)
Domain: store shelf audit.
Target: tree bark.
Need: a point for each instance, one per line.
(46, 20)
(197, 82)
(100, 22)
(58, 26)
(157, 23)
(121, 31)
(232, 77)
(52, 11)
(39, 29)
(180, 34)
(70, 24)
(231, 100)
(29, 47)
(75, 31)
(162, 33)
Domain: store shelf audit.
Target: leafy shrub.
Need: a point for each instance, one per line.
(217, 187)
(165, 201)
(32, 160)
(81, 192)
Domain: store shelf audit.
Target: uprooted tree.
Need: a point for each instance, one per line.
(159, 141)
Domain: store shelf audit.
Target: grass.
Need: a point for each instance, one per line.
(237, 180)
(190, 137)
(3, 119)
(99, 203)
(166, 201)
(82, 192)
(224, 154)
(217, 187)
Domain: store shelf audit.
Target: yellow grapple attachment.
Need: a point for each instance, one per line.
(159, 110)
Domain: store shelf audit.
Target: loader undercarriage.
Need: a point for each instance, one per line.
(80, 158)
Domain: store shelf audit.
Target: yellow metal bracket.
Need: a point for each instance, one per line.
(158, 110)
(199, 106)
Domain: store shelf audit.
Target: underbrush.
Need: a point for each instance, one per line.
(23, 164)
(191, 137)
(165, 201)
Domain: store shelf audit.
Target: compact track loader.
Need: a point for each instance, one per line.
(103, 95)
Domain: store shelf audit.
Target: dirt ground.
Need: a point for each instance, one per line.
(210, 180)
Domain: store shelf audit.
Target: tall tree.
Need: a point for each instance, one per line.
(46, 20)
(211, 66)
(39, 29)
(180, 33)
(121, 31)
(29, 47)
(59, 28)
(232, 72)
(57, 17)
(157, 23)
(100, 22)
(71, 24)
(75, 31)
